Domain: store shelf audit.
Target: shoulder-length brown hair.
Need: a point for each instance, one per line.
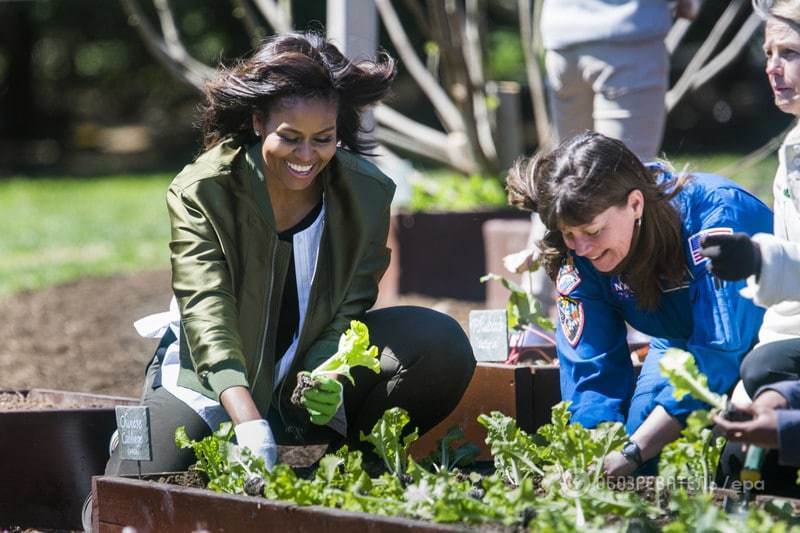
(586, 175)
(302, 65)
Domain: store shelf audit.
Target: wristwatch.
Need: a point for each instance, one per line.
(632, 452)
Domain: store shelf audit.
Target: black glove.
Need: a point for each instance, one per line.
(733, 257)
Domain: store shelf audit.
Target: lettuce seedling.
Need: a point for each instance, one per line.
(515, 453)
(680, 368)
(694, 456)
(227, 466)
(353, 350)
(388, 441)
(446, 456)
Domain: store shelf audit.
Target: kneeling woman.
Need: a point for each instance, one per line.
(623, 245)
(279, 236)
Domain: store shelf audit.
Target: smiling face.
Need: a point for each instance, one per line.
(606, 240)
(298, 139)
(782, 48)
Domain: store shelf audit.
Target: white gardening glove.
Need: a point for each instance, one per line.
(256, 436)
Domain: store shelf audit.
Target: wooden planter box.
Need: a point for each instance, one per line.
(439, 254)
(50, 455)
(523, 392)
(149, 506)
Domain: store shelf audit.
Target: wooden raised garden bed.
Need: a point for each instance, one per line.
(525, 392)
(494, 387)
(149, 506)
(153, 506)
(429, 256)
(53, 442)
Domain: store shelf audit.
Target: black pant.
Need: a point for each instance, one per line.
(426, 364)
(770, 363)
(777, 479)
(766, 364)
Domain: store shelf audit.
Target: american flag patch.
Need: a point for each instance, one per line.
(694, 241)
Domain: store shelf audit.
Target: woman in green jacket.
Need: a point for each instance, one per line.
(279, 233)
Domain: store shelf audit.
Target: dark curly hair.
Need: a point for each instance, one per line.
(302, 65)
(584, 176)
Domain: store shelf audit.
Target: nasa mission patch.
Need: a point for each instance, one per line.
(567, 279)
(571, 317)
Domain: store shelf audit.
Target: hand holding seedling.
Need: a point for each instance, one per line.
(320, 391)
(761, 429)
(321, 396)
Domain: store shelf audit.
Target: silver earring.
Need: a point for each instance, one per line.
(639, 222)
(256, 132)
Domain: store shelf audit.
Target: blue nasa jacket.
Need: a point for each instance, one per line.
(707, 317)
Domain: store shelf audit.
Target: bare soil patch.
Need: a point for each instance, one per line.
(80, 337)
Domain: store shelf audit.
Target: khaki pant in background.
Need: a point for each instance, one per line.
(616, 89)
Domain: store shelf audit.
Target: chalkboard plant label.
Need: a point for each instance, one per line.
(133, 424)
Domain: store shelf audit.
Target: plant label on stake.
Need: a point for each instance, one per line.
(133, 424)
(488, 334)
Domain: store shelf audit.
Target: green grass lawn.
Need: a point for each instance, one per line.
(56, 230)
(59, 229)
(757, 178)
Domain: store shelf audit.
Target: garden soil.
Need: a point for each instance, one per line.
(80, 337)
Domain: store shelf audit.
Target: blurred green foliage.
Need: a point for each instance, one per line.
(61, 228)
(505, 58)
(756, 179)
(444, 190)
(451, 191)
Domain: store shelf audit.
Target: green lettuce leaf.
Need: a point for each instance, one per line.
(354, 350)
(680, 368)
(388, 441)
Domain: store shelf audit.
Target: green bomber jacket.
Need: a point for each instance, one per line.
(229, 267)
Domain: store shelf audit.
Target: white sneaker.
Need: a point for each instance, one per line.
(86, 514)
(113, 442)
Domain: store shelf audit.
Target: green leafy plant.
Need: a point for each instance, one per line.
(447, 456)
(354, 350)
(680, 368)
(693, 458)
(567, 458)
(227, 466)
(515, 453)
(388, 440)
(549, 481)
(454, 192)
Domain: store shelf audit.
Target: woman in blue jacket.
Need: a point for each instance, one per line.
(623, 245)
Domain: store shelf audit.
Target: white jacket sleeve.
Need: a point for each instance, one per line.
(780, 272)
